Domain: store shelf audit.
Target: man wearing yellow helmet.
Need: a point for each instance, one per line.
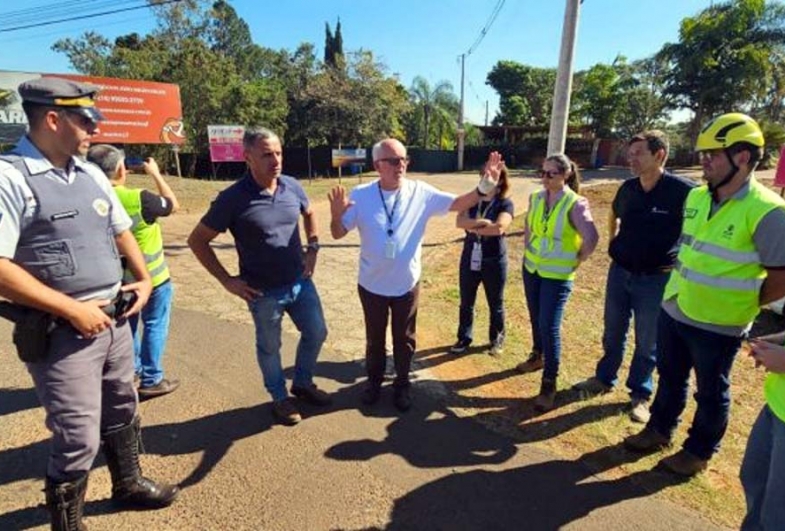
(731, 261)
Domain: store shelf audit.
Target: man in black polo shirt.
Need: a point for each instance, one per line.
(644, 227)
(262, 211)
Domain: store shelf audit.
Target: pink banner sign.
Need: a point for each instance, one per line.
(779, 177)
(226, 143)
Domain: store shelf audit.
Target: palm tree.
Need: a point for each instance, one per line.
(438, 106)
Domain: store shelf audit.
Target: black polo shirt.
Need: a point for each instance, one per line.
(650, 223)
(265, 228)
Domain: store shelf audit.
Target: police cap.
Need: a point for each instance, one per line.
(62, 93)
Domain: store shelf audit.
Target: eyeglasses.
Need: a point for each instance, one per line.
(395, 161)
(710, 154)
(544, 174)
(81, 120)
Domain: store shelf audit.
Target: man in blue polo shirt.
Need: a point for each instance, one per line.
(262, 212)
(644, 226)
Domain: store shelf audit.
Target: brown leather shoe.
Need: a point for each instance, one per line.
(532, 364)
(547, 397)
(647, 441)
(164, 387)
(683, 463)
(286, 412)
(313, 395)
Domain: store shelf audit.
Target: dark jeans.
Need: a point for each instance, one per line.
(681, 348)
(377, 310)
(492, 276)
(546, 298)
(628, 294)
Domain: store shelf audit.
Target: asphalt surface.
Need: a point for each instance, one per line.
(345, 467)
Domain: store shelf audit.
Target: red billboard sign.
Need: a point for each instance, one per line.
(137, 112)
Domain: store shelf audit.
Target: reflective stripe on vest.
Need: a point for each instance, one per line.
(148, 236)
(718, 274)
(553, 246)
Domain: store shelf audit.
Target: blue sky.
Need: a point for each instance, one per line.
(412, 37)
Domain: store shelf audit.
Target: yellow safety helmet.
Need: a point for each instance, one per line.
(729, 129)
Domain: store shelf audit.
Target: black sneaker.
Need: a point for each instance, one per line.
(402, 399)
(371, 394)
(460, 347)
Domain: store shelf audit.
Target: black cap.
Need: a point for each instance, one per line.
(63, 93)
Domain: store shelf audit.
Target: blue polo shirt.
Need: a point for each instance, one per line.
(265, 228)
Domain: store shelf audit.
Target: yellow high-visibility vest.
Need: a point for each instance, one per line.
(147, 236)
(552, 251)
(718, 274)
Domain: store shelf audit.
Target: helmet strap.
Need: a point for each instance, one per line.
(733, 171)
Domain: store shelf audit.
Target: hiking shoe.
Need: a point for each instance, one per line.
(684, 463)
(592, 387)
(402, 399)
(647, 441)
(285, 412)
(164, 387)
(312, 394)
(371, 394)
(532, 364)
(547, 397)
(639, 410)
(460, 347)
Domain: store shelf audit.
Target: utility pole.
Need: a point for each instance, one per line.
(486, 113)
(461, 131)
(561, 95)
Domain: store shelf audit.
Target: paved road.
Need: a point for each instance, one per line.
(345, 467)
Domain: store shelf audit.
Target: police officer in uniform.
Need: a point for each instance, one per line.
(731, 261)
(62, 233)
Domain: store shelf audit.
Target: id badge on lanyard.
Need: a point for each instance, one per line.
(389, 249)
(475, 263)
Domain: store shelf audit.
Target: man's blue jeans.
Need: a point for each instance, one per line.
(492, 276)
(763, 474)
(150, 340)
(628, 294)
(682, 347)
(301, 301)
(546, 298)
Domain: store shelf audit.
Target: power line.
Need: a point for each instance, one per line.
(82, 17)
(484, 31)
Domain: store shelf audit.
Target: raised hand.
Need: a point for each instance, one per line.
(339, 202)
(491, 173)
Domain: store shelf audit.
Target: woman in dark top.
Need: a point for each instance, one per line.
(484, 261)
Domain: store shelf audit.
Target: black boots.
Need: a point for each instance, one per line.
(65, 502)
(122, 447)
(545, 400)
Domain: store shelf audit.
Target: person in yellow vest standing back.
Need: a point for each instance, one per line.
(763, 467)
(145, 208)
(731, 260)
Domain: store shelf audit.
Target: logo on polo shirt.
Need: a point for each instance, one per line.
(655, 210)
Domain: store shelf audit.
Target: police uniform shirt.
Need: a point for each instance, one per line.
(18, 204)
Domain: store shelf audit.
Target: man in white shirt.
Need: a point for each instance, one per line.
(391, 214)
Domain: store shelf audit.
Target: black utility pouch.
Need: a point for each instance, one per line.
(31, 335)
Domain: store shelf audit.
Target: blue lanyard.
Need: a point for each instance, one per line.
(389, 213)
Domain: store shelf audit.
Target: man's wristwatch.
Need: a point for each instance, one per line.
(313, 246)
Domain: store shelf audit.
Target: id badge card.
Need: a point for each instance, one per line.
(389, 249)
(475, 264)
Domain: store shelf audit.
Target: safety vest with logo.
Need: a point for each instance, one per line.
(148, 236)
(69, 244)
(552, 251)
(718, 274)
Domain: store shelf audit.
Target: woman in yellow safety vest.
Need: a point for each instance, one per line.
(559, 235)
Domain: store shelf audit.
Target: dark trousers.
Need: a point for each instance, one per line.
(377, 310)
(492, 276)
(681, 348)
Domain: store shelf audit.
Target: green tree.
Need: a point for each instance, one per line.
(722, 58)
(525, 93)
(333, 46)
(436, 106)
